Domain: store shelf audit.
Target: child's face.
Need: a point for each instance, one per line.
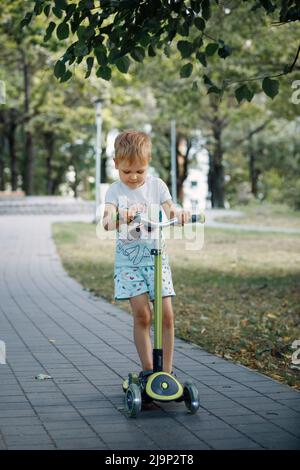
(133, 175)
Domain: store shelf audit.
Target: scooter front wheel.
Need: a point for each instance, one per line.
(191, 397)
(133, 401)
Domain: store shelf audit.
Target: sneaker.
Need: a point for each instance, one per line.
(143, 377)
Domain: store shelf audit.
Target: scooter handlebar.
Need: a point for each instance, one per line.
(195, 218)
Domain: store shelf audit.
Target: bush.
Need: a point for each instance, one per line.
(292, 194)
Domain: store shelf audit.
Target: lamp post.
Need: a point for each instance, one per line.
(173, 161)
(98, 104)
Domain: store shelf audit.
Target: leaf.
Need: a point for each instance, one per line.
(47, 10)
(224, 51)
(202, 58)
(114, 55)
(151, 51)
(186, 70)
(199, 23)
(145, 39)
(183, 29)
(80, 49)
(61, 4)
(270, 87)
(138, 54)
(104, 72)
(89, 63)
(43, 377)
(185, 48)
(57, 12)
(62, 31)
(123, 64)
(214, 89)
(197, 43)
(66, 76)
(243, 93)
(25, 21)
(38, 8)
(84, 33)
(100, 54)
(211, 48)
(49, 30)
(59, 69)
(206, 11)
(207, 80)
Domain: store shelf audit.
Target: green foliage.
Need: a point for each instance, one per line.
(120, 29)
(291, 194)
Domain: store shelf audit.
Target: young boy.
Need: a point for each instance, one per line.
(136, 191)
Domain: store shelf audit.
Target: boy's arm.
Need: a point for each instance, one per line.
(110, 221)
(114, 217)
(169, 208)
(172, 211)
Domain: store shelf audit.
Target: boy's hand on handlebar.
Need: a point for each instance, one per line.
(127, 215)
(183, 216)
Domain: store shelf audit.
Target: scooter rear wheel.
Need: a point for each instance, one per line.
(133, 401)
(191, 397)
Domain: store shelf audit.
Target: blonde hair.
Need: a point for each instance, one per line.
(133, 145)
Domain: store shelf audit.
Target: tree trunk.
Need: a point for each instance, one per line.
(49, 145)
(29, 164)
(11, 138)
(103, 166)
(253, 170)
(75, 184)
(183, 147)
(216, 172)
(217, 186)
(28, 183)
(2, 149)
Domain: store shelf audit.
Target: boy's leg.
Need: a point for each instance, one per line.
(141, 331)
(168, 334)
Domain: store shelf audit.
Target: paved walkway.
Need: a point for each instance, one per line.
(51, 325)
(213, 215)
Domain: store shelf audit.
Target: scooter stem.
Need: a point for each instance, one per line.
(157, 351)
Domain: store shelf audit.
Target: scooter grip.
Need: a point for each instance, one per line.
(198, 218)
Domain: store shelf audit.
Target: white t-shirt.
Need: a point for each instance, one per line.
(134, 248)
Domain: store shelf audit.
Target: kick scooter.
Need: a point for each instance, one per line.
(160, 386)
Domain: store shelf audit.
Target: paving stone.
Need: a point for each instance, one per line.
(83, 443)
(234, 444)
(282, 440)
(22, 430)
(34, 439)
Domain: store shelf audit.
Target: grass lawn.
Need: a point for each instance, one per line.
(239, 297)
(271, 215)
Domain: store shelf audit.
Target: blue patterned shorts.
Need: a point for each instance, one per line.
(130, 282)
